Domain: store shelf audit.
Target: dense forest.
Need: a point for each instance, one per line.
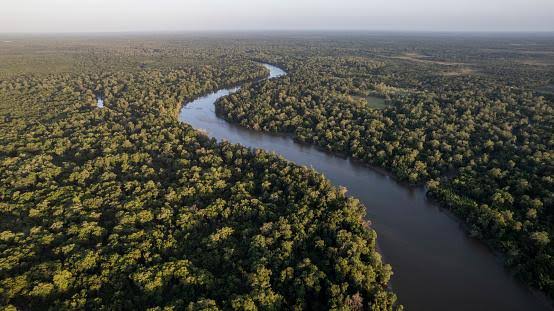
(126, 208)
(473, 120)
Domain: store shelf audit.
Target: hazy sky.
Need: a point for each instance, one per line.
(193, 15)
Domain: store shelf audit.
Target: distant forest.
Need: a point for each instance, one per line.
(127, 208)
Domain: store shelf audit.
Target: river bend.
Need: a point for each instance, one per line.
(436, 265)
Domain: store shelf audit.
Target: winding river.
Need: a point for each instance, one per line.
(436, 265)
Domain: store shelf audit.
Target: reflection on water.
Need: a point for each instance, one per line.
(436, 266)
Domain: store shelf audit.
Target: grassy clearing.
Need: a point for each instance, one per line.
(464, 71)
(414, 57)
(374, 102)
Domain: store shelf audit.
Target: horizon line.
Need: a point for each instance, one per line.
(216, 31)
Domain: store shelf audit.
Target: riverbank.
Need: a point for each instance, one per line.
(436, 265)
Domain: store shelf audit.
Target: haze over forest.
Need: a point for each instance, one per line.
(362, 155)
(217, 15)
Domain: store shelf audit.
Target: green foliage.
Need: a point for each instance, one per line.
(481, 139)
(126, 208)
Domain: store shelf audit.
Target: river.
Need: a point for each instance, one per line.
(436, 265)
(99, 101)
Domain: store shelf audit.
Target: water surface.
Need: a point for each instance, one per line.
(436, 265)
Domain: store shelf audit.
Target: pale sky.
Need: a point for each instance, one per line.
(228, 15)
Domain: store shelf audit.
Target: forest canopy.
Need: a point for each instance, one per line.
(126, 208)
(472, 120)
